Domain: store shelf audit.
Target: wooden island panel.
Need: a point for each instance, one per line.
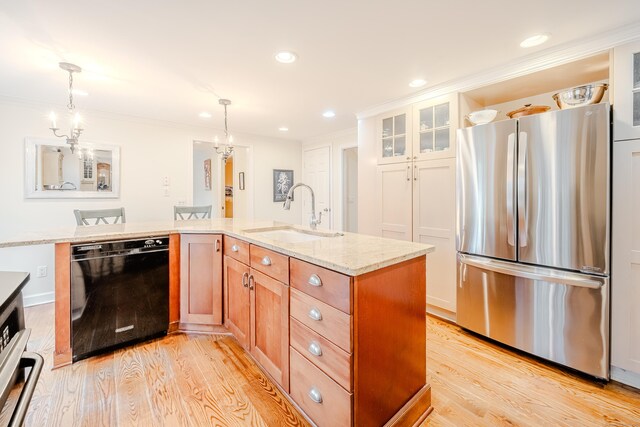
(62, 353)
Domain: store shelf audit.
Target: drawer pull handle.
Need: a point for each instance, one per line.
(266, 261)
(251, 282)
(315, 395)
(314, 280)
(314, 348)
(315, 314)
(245, 279)
(235, 248)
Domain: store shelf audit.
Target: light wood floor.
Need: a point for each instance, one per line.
(208, 380)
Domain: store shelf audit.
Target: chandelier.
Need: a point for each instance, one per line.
(227, 147)
(75, 130)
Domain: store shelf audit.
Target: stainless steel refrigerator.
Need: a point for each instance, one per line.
(533, 206)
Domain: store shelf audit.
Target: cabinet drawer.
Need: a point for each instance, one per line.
(330, 358)
(325, 285)
(327, 321)
(321, 398)
(270, 263)
(236, 249)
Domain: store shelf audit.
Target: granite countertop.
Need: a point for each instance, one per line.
(351, 253)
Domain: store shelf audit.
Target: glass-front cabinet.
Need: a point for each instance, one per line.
(394, 137)
(626, 86)
(434, 129)
(423, 131)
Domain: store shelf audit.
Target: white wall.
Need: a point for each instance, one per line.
(149, 150)
(368, 209)
(337, 141)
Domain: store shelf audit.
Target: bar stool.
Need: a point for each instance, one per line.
(180, 211)
(99, 215)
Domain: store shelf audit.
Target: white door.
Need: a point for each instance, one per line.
(317, 175)
(393, 188)
(625, 268)
(434, 211)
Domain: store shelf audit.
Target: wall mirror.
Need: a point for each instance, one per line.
(54, 172)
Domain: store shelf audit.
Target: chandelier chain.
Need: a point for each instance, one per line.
(70, 106)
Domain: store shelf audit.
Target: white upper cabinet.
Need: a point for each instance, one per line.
(435, 122)
(393, 136)
(626, 109)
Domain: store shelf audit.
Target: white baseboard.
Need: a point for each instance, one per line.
(37, 299)
(625, 377)
(442, 313)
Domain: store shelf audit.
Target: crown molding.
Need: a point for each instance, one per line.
(548, 58)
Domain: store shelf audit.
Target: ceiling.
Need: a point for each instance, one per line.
(170, 60)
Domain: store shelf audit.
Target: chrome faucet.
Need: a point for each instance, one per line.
(313, 222)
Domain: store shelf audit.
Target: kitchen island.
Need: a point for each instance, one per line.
(336, 320)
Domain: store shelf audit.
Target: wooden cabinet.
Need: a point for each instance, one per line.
(257, 306)
(625, 268)
(417, 203)
(434, 223)
(270, 325)
(200, 281)
(237, 306)
(626, 87)
(415, 188)
(394, 192)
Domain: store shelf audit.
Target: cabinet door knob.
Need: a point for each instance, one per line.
(235, 248)
(314, 348)
(266, 261)
(245, 279)
(314, 280)
(251, 282)
(315, 395)
(217, 245)
(315, 314)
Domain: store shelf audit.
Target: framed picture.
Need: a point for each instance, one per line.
(282, 182)
(207, 174)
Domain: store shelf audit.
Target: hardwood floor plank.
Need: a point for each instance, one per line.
(205, 380)
(166, 401)
(132, 399)
(99, 393)
(221, 381)
(200, 404)
(65, 397)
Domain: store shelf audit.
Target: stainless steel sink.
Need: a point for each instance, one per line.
(290, 234)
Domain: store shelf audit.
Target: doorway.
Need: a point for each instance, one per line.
(350, 189)
(317, 175)
(223, 184)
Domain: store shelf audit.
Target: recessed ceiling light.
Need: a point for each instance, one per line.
(536, 40)
(418, 83)
(329, 113)
(80, 92)
(286, 57)
(205, 115)
(283, 129)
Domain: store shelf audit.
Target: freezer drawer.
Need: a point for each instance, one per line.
(556, 315)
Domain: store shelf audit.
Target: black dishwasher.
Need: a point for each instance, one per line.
(119, 294)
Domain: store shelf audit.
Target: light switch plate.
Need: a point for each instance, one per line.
(41, 271)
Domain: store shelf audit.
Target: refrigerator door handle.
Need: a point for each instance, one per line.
(511, 146)
(531, 272)
(522, 190)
